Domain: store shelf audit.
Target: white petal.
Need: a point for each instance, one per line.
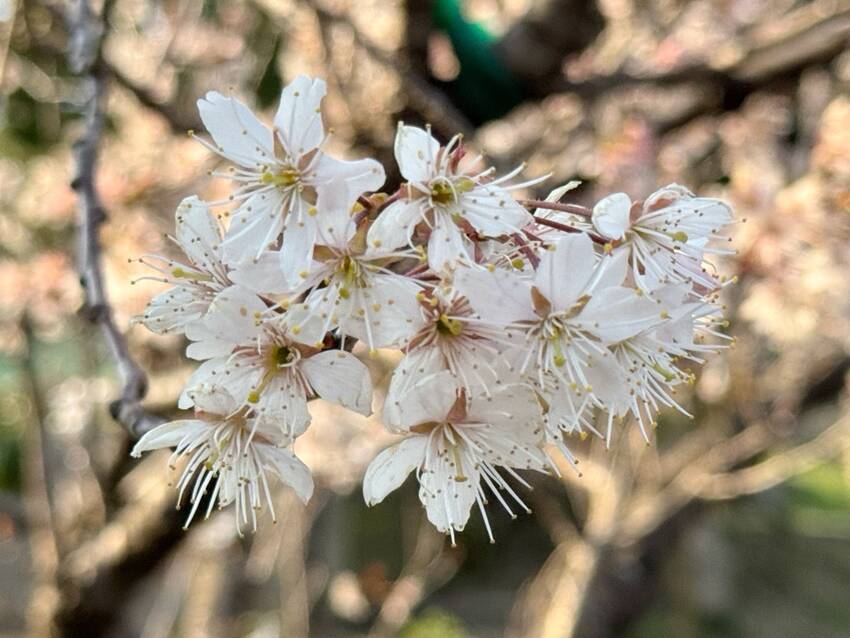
(236, 130)
(430, 399)
(416, 152)
(299, 118)
(447, 244)
(296, 253)
(213, 399)
(303, 326)
(500, 296)
(493, 212)
(611, 269)
(564, 273)
(284, 401)
(390, 308)
(611, 215)
(513, 408)
(255, 225)
(205, 374)
(361, 176)
(289, 469)
(169, 435)
(341, 378)
(171, 311)
(414, 367)
(447, 499)
(615, 314)
(394, 225)
(335, 224)
(391, 467)
(230, 321)
(198, 234)
(262, 275)
(609, 383)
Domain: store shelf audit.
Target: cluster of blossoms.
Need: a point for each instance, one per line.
(521, 323)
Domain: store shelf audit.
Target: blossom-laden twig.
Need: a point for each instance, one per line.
(86, 30)
(520, 328)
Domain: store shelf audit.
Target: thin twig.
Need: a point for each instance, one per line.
(85, 30)
(573, 209)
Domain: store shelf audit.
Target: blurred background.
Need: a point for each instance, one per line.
(734, 524)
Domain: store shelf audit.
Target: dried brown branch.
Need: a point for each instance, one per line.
(85, 30)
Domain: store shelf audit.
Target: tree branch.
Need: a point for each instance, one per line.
(85, 30)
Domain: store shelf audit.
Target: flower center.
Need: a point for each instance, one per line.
(277, 357)
(448, 326)
(284, 178)
(445, 191)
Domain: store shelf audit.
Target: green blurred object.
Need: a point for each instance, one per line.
(484, 89)
(434, 623)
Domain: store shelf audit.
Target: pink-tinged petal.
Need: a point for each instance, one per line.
(416, 152)
(394, 225)
(565, 272)
(340, 377)
(299, 118)
(391, 467)
(499, 296)
(236, 130)
(611, 215)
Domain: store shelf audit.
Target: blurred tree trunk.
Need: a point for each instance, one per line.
(535, 47)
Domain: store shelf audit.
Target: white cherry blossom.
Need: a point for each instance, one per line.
(278, 170)
(194, 282)
(273, 363)
(451, 338)
(231, 451)
(667, 236)
(360, 295)
(456, 448)
(518, 331)
(450, 200)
